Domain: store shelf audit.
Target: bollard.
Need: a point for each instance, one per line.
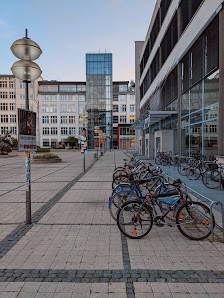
(212, 221)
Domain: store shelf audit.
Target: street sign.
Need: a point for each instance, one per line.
(27, 130)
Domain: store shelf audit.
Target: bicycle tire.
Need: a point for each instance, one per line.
(135, 204)
(118, 199)
(157, 160)
(211, 179)
(182, 169)
(192, 224)
(119, 179)
(193, 173)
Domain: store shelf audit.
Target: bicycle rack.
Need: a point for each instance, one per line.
(212, 221)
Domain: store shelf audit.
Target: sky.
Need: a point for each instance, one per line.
(67, 30)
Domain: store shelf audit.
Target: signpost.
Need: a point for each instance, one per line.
(27, 130)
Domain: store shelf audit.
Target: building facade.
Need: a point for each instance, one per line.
(179, 79)
(12, 97)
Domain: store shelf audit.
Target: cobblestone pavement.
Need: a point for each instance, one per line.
(74, 249)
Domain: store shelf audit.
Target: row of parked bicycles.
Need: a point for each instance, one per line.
(142, 195)
(194, 167)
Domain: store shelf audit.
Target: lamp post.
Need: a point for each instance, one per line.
(84, 121)
(26, 70)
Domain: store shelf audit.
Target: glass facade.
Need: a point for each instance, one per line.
(99, 94)
(199, 117)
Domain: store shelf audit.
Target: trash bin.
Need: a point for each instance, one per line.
(101, 153)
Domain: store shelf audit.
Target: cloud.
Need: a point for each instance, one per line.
(2, 23)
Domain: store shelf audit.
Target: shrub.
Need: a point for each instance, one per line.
(46, 156)
(72, 141)
(15, 143)
(39, 149)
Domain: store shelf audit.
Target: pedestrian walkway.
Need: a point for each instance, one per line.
(74, 248)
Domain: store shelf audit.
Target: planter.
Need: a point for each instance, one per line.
(53, 160)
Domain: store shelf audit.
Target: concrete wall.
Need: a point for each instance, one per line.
(166, 140)
(150, 138)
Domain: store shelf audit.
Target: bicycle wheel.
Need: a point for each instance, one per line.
(193, 220)
(157, 160)
(182, 167)
(164, 161)
(211, 179)
(135, 219)
(193, 173)
(119, 179)
(118, 199)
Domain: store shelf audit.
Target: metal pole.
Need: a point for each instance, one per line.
(28, 172)
(84, 162)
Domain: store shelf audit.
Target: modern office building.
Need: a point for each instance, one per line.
(12, 97)
(99, 94)
(179, 79)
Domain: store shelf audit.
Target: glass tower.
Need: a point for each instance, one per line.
(99, 95)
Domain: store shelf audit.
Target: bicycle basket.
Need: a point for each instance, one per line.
(170, 200)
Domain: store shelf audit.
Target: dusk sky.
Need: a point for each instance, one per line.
(66, 30)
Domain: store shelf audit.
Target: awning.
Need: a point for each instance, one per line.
(154, 116)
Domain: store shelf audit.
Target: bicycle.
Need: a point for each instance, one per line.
(213, 177)
(135, 218)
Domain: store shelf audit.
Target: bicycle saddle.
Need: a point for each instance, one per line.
(176, 182)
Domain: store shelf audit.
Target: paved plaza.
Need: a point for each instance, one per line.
(74, 248)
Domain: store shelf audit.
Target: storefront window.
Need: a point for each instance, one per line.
(211, 137)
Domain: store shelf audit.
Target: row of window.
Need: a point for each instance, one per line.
(5, 83)
(8, 118)
(4, 94)
(63, 108)
(207, 128)
(123, 119)
(53, 119)
(5, 130)
(123, 108)
(62, 98)
(126, 131)
(54, 131)
(6, 106)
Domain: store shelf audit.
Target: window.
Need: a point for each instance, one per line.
(64, 130)
(71, 108)
(46, 142)
(132, 97)
(22, 85)
(81, 97)
(44, 98)
(4, 107)
(45, 130)
(123, 88)
(31, 85)
(123, 119)
(14, 130)
(64, 119)
(54, 88)
(22, 96)
(123, 108)
(132, 108)
(3, 94)
(53, 108)
(12, 83)
(13, 118)
(80, 131)
(115, 108)
(205, 128)
(64, 108)
(12, 106)
(4, 130)
(45, 88)
(53, 97)
(63, 98)
(45, 108)
(3, 83)
(212, 116)
(45, 119)
(123, 97)
(4, 119)
(12, 94)
(81, 88)
(72, 131)
(67, 88)
(54, 130)
(115, 119)
(22, 107)
(132, 119)
(31, 96)
(71, 98)
(53, 119)
(71, 119)
(213, 128)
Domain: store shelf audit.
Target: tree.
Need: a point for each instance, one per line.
(72, 141)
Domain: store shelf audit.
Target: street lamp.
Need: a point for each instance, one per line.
(26, 70)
